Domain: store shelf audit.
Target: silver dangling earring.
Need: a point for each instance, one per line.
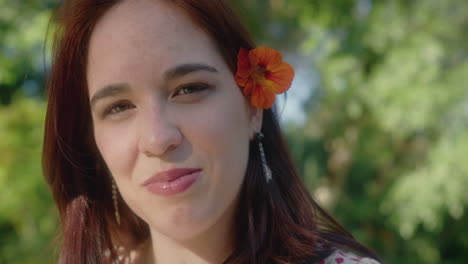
(116, 202)
(266, 170)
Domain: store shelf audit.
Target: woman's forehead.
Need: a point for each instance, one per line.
(137, 35)
(154, 16)
(140, 22)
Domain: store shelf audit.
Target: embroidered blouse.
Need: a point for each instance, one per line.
(343, 257)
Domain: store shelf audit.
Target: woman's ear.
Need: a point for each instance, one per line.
(256, 118)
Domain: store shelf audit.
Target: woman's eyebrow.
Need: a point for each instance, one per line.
(110, 90)
(184, 69)
(176, 72)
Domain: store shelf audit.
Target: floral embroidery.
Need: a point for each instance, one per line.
(263, 74)
(339, 260)
(341, 257)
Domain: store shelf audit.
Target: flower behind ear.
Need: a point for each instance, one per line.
(262, 74)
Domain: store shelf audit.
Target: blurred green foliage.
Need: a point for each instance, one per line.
(385, 142)
(27, 217)
(22, 29)
(383, 147)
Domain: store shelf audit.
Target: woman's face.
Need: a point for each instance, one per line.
(163, 98)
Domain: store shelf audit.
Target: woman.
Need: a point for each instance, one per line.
(161, 146)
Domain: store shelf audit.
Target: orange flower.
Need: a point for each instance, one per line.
(262, 74)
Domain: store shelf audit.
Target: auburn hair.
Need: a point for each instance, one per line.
(277, 222)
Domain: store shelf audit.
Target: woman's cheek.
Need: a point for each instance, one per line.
(117, 147)
(221, 133)
(210, 127)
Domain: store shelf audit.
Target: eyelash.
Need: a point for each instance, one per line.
(193, 88)
(111, 109)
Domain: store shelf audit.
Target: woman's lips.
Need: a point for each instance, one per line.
(172, 181)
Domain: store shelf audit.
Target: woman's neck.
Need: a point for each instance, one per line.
(210, 247)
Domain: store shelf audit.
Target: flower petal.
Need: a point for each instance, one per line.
(262, 74)
(243, 67)
(262, 98)
(265, 57)
(282, 75)
(270, 86)
(249, 87)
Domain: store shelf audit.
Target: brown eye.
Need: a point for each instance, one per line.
(191, 88)
(118, 108)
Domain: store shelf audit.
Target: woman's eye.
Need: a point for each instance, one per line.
(192, 88)
(117, 108)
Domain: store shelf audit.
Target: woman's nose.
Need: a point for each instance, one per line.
(159, 134)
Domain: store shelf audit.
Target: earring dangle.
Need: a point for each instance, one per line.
(116, 202)
(266, 168)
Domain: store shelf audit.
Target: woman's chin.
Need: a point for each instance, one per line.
(181, 230)
(181, 234)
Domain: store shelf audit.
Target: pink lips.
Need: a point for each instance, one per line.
(172, 181)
